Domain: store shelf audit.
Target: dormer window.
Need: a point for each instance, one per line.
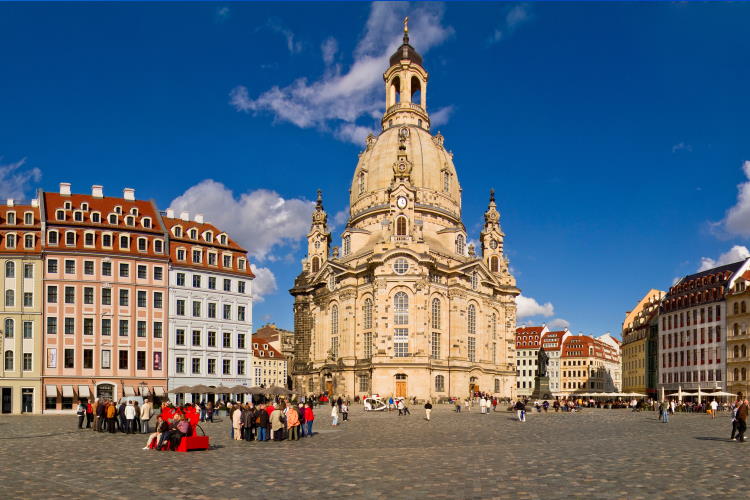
(262, 353)
(88, 239)
(85, 207)
(208, 236)
(60, 215)
(270, 353)
(158, 246)
(28, 218)
(78, 216)
(180, 254)
(194, 234)
(52, 238)
(197, 256)
(177, 231)
(68, 205)
(70, 238)
(142, 244)
(107, 240)
(241, 264)
(265, 346)
(227, 261)
(223, 239)
(130, 220)
(146, 222)
(96, 217)
(255, 345)
(134, 211)
(113, 219)
(11, 218)
(118, 209)
(28, 241)
(211, 259)
(124, 242)
(10, 240)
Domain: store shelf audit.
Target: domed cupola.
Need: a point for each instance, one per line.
(406, 51)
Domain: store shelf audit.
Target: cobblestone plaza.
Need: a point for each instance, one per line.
(594, 454)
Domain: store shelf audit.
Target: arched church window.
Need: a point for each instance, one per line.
(367, 313)
(446, 182)
(401, 226)
(401, 309)
(439, 383)
(334, 320)
(494, 264)
(460, 244)
(474, 280)
(416, 90)
(493, 325)
(471, 319)
(395, 91)
(315, 265)
(436, 313)
(361, 182)
(346, 245)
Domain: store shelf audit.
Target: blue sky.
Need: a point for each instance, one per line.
(615, 134)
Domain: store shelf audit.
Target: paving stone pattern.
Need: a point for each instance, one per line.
(592, 454)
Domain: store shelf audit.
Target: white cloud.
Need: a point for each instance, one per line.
(294, 46)
(264, 282)
(340, 100)
(735, 254)
(558, 324)
(527, 307)
(16, 182)
(513, 17)
(682, 147)
(222, 14)
(340, 218)
(737, 219)
(441, 116)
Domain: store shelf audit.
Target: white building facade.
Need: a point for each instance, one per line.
(210, 308)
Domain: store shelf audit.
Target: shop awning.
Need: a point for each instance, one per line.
(67, 391)
(159, 391)
(144, 390)
(83, 391)
(51, 391)
(129, 391)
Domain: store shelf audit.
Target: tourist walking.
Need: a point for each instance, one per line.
(111, 413)
(137, 419)
(309, 418)
(81, 412)
(146, 415)
(98, 410)
(292, 423)
(521, 410)
(129, 418)
(277, 425)
(237, 424)
(335, 416)
(345, 411)
(89, 414)
(427, 410)
(733, 415)
(742, 411)
(714, 407)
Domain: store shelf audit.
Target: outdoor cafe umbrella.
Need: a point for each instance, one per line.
(278, 391)
(181, 389)
(239, 389)
(200, 389)
(222, 389)
(255, 390)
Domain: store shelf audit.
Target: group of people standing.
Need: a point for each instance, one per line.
(271, 421)
(106, 416)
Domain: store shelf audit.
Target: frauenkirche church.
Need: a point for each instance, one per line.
(405, 307)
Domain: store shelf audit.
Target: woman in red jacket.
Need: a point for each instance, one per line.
(309, 417)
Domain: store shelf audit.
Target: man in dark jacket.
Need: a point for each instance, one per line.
(123, 419)
(742, 412)
(263, 423)
(301, 413)
(248, 421)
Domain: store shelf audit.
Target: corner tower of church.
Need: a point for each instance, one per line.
(405, 307)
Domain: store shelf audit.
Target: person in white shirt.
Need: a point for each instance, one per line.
(146, 415)
(130, 417)
(334, 415)
(714, 407)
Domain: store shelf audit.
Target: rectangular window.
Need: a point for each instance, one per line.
(52, 294)
(196, 308)
(226, 366)
(401, 342)
(211, 339)
(367, 348)
(179, 337)
(158, 300)
(240, 313)
(124, 328)
(240, 341)
(70, 267)
(472, 349)
(227, 285)
(106, 269)
(141, 298)
(52, 266)
(196, 337)
(196, 281)
(240, 367)
(196, 365)
(28, 329)
(158, 273)
(140, 360)
(70, 295)
(211, 366)
(28, 299)
(158, 329)
(335, 347)
(211, 309)
(106, 296)
(142, 274)
(179, 365)
(106, 359)
(88, 326)
(124, 297)
(435, 347)
(28, 270)
(227, 311)
(180, 279)
(88, 267)
(240, 287)
(88, 359)
(106, 327)
(88, 295)
(124, 242)
(124, 270)
(70, 326)
(211, 283)
(51, 326)
(123, 360)
(180, 309)
(227, 340)
(141, 329)
(70, 358)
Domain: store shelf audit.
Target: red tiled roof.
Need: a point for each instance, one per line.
(20, 229)
(105, 206)
(266, 351)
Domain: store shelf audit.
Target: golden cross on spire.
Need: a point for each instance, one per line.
(406, 24)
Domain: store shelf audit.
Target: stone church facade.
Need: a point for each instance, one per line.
(405, 306)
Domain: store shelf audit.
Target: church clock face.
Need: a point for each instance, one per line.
(493, 244)
(401, 202)
(317, 244)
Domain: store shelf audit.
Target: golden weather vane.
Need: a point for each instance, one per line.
(406, 24)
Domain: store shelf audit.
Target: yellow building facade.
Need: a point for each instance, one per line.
(738, 335)
(21, 275)
(405, 306)
(639, 337)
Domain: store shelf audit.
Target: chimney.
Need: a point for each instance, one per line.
(128, 194)
(97, 191)
(170, 213)
(199, 218)
(185, 216)
(11, 202)
(35, 202)
(65, 188)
